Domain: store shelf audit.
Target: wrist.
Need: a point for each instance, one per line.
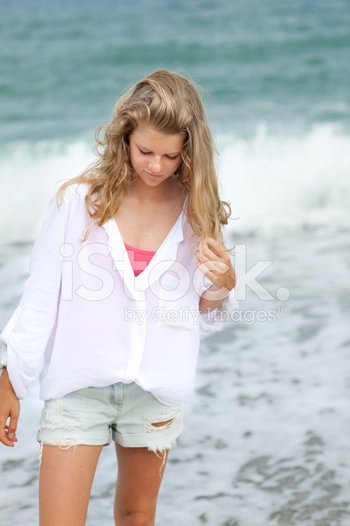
(4, 376)
(5, 382)
(214, 288)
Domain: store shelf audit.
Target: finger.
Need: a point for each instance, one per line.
(215, 253)
(3, 436)
(11, 439)
(209, 254)
(202, 267)
(206, 261)
(216, 266)
(209, 244)
(216, 247)
(221, 291)
(202, 258)
(7, 442)
(206, 255)
(13, 425)
(220, 277)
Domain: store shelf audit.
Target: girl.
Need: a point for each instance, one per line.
(129, 265)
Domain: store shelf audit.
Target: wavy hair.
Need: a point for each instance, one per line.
(171, 104)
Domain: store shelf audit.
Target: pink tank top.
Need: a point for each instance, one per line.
(139, 259)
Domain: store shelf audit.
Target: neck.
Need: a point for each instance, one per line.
(151, 194)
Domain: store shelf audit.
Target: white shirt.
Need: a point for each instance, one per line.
(85, 320)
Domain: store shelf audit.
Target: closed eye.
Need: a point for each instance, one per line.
(148, 153)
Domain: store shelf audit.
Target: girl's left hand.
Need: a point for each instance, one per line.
(212, 256)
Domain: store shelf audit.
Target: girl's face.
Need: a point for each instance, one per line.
(154, 155)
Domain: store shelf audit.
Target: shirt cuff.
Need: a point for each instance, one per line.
(4, 338)
(3, 360)
(214, 320)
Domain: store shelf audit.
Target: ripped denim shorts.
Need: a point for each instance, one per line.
(126, 413)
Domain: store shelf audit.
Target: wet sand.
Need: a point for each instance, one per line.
(266, 440)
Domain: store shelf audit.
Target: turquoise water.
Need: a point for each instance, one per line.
(275, 77)
(64, 63)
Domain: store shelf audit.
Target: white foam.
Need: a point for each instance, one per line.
(273, 182)
(286, 182)
(29, 175)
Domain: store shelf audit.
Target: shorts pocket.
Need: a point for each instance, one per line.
(53, 411)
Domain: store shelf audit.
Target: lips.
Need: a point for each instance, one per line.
(153, 175)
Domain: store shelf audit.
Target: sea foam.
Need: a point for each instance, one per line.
(280, 183)
(274, 183)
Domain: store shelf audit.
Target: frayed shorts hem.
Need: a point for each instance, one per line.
(124, 413)
(167, 442)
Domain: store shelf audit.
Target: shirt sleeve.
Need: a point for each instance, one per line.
(23, 340)
(215, 319)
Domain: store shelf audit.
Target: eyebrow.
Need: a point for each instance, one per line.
(150, 151)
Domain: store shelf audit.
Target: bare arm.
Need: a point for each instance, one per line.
(9, 409)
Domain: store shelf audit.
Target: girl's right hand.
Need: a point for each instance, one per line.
(9, 408)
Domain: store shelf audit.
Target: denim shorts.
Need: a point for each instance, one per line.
(124, 413)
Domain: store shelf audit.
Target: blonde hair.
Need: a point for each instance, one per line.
(171, 104)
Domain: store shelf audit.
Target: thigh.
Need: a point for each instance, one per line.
(140, 474)
(66, 477)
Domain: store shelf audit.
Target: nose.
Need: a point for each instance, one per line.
(155, 165)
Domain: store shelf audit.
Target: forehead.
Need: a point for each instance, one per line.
(155, 140)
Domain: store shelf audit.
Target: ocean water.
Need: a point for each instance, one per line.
(266, 437)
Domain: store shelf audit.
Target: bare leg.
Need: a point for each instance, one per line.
(139, 478)
(66, 477)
